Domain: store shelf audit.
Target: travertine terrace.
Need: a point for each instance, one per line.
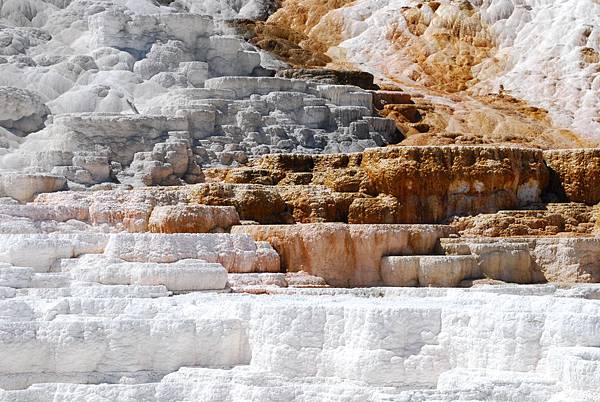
(299, 200)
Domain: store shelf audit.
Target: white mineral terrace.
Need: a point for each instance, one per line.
(158, 317)
(133, 342)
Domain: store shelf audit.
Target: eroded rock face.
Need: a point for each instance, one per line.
(192, 219)
(22, 111)
(409, 184)
(575, 174)
(531, 259)
(553, 219)
(435, 183)
(395, 185)
(345, 255)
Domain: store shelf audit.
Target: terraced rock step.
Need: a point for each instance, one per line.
(190, 212)
(183, 275)
(345, 255)
(375, 186)
(73, 347)
(442, 337)
(533, 259)
(442, 271)
(237, 253)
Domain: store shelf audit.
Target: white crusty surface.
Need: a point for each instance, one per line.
(418, 344)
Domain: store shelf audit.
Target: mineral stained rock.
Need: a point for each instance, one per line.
(548, 220)
(345, 255)
(299, 200)
(192, 219)
(410, 184)
(575, 174)
(444, 46)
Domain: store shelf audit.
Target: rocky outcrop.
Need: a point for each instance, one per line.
(344, 255)
(533, 259)
(360, 79)
(553, 219)
(22, 112)
(435, 183)
(192, 219)
(395, 185)
(415, 184)
(575, 174)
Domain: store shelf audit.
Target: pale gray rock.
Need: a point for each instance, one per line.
(21, 111)
(24, 187)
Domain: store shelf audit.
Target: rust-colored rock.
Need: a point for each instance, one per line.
(192, 219)
(575, 174)
(382, 98)
(311, 204)
(381, 209)
(434, 183)
(345, 255)
(258, 203)
(556, 219)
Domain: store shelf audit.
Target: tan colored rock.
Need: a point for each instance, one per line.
(434, 183)
(506, 262)
(438, 271)
(345, 255)
(533, 259)
(575, 174)
(381, 209)
(24, 187)
(312, 204)
(556, 219)
(192, 219)
(303, 280)
(258, 203)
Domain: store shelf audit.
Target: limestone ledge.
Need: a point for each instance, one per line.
(345, 255)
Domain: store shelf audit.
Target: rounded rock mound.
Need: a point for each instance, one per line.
(23, 111)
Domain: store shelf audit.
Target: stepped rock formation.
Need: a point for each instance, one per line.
(299, 200)
(526, 71)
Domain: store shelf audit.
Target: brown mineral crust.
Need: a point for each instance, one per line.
(192, 219)
(375, 210)
(575, 174)
(556, 219)
(434, 183)
(360, 79)
(283, 41)
(344, 255)
(258, 203)
(310, 204)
